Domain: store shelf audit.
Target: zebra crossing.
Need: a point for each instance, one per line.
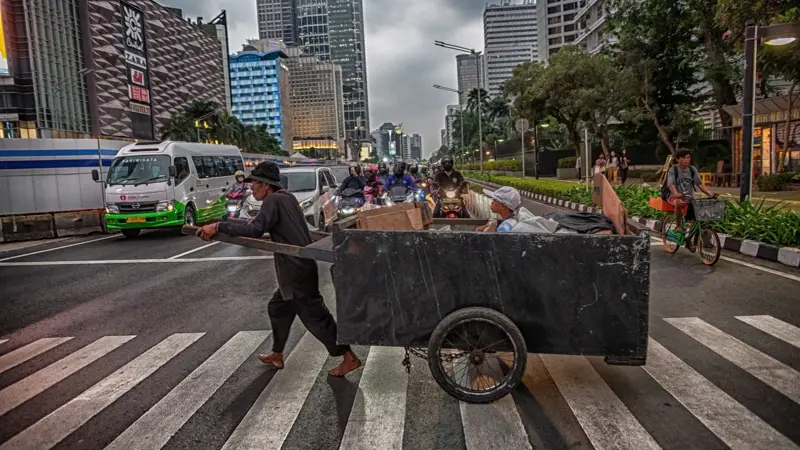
(568, 394)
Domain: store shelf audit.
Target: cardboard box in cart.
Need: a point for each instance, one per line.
(401, 217)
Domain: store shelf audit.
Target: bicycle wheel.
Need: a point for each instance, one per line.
(710, 246)
(669, 225)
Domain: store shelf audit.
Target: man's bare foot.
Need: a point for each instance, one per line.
(349, 364)
(275, 359)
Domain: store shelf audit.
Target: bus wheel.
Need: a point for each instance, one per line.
(188, 216)
(132, 233)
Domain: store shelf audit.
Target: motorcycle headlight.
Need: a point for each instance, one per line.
(348, 211)
(305, 204)
(232, 208)
(112, 209)
(451, 194)
(164, 206)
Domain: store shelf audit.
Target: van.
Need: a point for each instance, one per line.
(168, 184)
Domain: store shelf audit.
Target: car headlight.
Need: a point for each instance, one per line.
(305, 204)
(451, 194)
(164, 206)
(112, 209)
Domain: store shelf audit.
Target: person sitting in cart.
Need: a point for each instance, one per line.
(514, 218)
(682, 180)
(298, 281)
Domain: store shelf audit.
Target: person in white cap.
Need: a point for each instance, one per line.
(507, 203)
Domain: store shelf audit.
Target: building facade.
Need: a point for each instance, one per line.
(471, 75)
(276, 20)
(510, 36)
(416, 146)
(452, 134)
(218, 27)
(316, 102)
(113, 69)
(590, 20)
(558, 25)
(260, 88)
(444, 138)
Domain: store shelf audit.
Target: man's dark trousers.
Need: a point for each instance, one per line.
(314, 315)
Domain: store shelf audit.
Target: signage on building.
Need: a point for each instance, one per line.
(3, 56)
(134, 40)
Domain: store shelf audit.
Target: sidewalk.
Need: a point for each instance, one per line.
(790, 199)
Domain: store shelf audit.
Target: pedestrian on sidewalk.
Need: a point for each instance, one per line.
(600, 165)
(298, 280)
(613, 168)
(578, 166)
(623, 165)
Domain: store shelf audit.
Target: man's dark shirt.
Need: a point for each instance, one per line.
(452, 181)
(282, 218)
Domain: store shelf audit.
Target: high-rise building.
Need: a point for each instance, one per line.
(449, 121)
(384, 136)
(406, 139)
(557, 25)
(100, 75)
(510, 36)
(315, 101)
(218, 27)
(471, 74)
(444, 137)
(276, 20)
(589, 20)
(416, 146)
(260, 89)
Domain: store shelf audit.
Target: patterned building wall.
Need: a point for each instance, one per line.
(185, 64)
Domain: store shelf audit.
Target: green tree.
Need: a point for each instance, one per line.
(657, 55)
(472, 100)
(179, 128)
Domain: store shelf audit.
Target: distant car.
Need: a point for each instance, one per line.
(313, 187)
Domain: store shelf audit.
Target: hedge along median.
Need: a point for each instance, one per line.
(775, 225)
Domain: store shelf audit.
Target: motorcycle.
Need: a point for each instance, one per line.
(399, 194)
(452, 206)
(234, 205)
(349, 202)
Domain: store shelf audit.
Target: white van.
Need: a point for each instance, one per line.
(168, 184)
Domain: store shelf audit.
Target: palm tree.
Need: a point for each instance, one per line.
(228, 129)
(179, 128)
(472, 100)
(199, 108)
(498, 108)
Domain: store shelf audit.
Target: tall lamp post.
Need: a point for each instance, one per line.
(461, 118)
(477, 55)
(536, 127)
(779, 34)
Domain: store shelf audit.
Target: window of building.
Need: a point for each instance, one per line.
(569, 17)
(555, 41)
(554, 20)
(570, 38)
(568, 28)
(554, 9)
(570, 6)
(554, 30)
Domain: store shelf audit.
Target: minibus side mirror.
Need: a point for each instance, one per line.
(173, 172)
(95, 175)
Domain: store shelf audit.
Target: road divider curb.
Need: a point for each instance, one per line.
(789, 256)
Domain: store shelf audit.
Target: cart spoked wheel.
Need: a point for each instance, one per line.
(477, 355)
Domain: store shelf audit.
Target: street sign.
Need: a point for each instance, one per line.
(522, 125)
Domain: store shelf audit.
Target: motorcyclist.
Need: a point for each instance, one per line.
(240, 187)
(370, 174)
(383, 171)
(449, 178)
(399, 177)
(354, 181)
(413, 171)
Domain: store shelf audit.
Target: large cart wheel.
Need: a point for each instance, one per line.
(477, 355)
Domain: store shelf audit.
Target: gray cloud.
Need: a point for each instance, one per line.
(402, 62)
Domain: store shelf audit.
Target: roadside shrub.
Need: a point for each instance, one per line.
(567, 163)
(774, 182)
(776, 225)
(503, 165)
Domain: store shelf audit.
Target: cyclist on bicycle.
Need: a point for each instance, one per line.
(682, 180)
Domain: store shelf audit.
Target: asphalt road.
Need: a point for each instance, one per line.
(151, 343)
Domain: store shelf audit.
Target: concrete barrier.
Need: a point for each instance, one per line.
(24, 228)
(78, 223)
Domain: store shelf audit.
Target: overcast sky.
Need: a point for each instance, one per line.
(402, 62)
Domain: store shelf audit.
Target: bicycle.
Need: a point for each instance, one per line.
(699, 236)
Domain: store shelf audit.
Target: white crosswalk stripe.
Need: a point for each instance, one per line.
(20, 355)
(773, 373)
(589, 412)
(734, 424)
(57, 425)
(777, 328)
(31, 386)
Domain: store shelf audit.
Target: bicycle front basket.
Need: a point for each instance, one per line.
(709, 209)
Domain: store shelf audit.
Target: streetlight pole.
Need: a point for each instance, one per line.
(475, 54)
(779, 34)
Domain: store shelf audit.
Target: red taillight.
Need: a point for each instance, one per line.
(451, 216)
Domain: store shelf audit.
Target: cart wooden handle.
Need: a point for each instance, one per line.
(321, 250)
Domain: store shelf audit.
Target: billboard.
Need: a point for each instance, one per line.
(134, 42)
(3, 55)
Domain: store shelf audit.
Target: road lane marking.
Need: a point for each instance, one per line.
(607, 422)
(33, 385)
(269, 420)
(377, 418)
(772, 372)
(54, 427)
(747, 264)
(22, 354)
(59, 248)
(133, 261)
(772, 326)
(194, 250)
(734, 424)
(155, 428)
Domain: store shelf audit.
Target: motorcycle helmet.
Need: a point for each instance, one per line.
(239, 173)
(423, 170)
(447, 163)
(413, 169)
(369, 173)
(400, 169)
(382, 167)
(357, 168)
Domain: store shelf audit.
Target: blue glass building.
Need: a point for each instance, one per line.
(260, 92)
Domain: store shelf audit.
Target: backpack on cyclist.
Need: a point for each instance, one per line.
(665, 192)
